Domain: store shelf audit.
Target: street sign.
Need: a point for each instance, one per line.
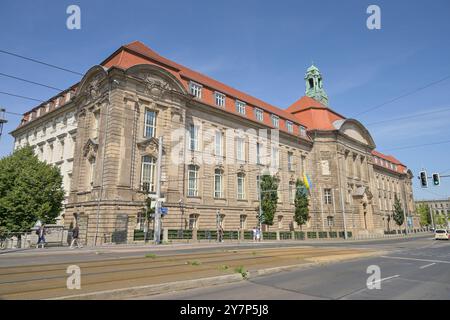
(163, 210)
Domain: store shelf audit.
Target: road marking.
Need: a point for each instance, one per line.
(425, 260)
(427, 265)
(376, 281)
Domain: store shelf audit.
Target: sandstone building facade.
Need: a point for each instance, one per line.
(217, 141)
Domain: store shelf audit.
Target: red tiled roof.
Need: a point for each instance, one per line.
(400, 167)
(315, 115)
(125, 57)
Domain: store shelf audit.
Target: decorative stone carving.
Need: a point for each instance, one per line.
(149, 146)
(93, 89)
(155, 87)
(90, 149)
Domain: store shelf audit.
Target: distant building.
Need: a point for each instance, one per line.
(437, 207)
(135, 96)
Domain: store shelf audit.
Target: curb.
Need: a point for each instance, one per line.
(154, 289)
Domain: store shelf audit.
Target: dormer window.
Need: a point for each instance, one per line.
(196, 89)
(220, 99)
(302, 131)
(275, 121)
(259, 115)
(240, 107)
(289, 126)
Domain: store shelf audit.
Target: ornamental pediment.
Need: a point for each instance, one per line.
(149, 146)
(362, 192)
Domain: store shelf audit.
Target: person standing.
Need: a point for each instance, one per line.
(258, 234)
(41, 236)
(76, 237)
(254, 234)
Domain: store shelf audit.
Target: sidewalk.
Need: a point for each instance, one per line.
(130, 248)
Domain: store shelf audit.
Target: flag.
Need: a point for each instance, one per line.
(307, 181)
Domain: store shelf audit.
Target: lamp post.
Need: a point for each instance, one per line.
(2, 120)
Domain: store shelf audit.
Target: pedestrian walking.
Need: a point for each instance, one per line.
(254, 234)
(75, 238)
(41, 236)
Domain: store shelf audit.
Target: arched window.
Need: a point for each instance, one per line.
(148, 168)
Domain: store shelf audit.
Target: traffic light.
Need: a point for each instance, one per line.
(436, 179)
(423, 179)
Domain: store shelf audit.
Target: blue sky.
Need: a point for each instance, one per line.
(263, 48)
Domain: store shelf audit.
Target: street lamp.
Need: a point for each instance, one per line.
(2, 120)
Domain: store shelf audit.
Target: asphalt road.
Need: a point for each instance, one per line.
(414, 269)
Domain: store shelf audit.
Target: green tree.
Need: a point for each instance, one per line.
(29, 190)
(424, 212)
(269, 198)
(301, 202)
(398, 215)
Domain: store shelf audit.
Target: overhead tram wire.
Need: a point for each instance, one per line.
(402, 96)
(29, 81)
(397, 148)
(40, 62)
(360, 113)
(369, 124)
(122, 117)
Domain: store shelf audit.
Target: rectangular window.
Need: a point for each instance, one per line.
(327, 196)
(240, 107)
(302, 131)
(95, 123)
(220, 99)
(91, 172)
(218, 145)
(61, 142)
(258, 153)
(218, 180)
(259, 115)
(330, 221)
(196, 89)
(291, 192)
(290, 158)
(149, 124)
(240, 186)
(275, 121)
(240, 149)
(192, 181)
(289, 126)
(243, 221)
(193, 137)
(148, 174)
(275, 157)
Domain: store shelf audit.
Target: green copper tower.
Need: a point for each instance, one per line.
(314, 85)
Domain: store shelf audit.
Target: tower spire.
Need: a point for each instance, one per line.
(314, 85)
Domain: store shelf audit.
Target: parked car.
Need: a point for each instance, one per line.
(441, 234)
